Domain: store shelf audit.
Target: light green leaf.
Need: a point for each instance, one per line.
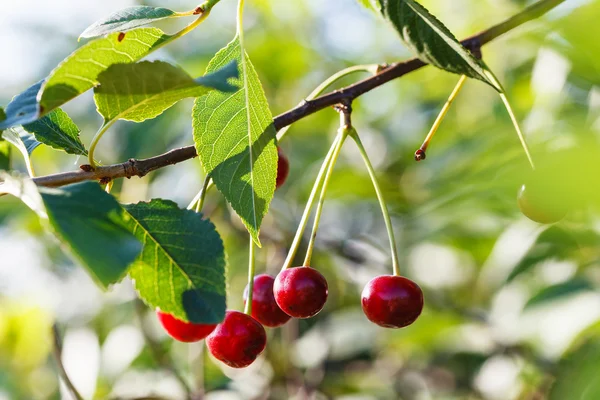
(57, 130)
(127, 19)
(559, 291)
(233, 135)
(432, 41)
(79, 71)
(24, 142)
(137, 92)
(181, 269)
(577, 375)
(370, 4)
(87, 220)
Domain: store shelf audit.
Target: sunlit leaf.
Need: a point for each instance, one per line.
(432, 41)
(59, 131)
(181, 269)
(4, 146)
(233, 134)
(88, 221)
(127, 19)
(24, 142)
(137, 92)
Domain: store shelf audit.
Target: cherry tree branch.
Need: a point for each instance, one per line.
(140, 168)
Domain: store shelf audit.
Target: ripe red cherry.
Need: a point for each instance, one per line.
(184, 331)
(264, 308)
(392, 301)
(539, 206)
(283, 168)
(238, 340)
(300, 292)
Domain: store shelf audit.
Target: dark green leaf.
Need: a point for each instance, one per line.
(127, 19)
(233, 134)
(559, 291)
(59, 131)
(432, 41)
(553, 243)
(137, 92)
(23, 108)
(181, 269)
(87, 220)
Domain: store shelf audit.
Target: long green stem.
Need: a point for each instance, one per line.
(493, 78)
(420, 154)
(95, 141)
(311, 244)
(251, 272)
(198, 201)
(309, 204)
(386, 216)
(372, 68)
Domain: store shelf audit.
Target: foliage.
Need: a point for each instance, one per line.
(501, 293)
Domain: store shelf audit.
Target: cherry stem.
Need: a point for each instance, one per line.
(386, 216)
(420, 154)
(509, 109)
(311, 199)
(342, 134)
(57, 352)
(251, 272)
(198, 201)
(372, 68)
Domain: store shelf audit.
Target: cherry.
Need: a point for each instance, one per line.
(238, 340)
(392, 301)
(184, 331)
(283, 168)
(540, 206)
(301, 291)
(264, 308)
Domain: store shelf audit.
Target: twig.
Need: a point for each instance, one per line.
(142, 167)
(57, 352)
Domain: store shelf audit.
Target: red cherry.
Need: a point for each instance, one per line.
(540, 206)
(283, 168)
(184, 331)
(392, 301)
(300, 292)
(238, 340)
(264, 308)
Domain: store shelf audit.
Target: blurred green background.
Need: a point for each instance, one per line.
(512, 307)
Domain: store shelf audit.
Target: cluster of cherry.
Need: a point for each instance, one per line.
(301, 292)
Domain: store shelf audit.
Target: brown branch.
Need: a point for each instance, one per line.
(142, 167)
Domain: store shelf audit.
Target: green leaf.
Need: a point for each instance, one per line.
(4, 147)
(181, 269)
(57, 130)
(370, 4)
(79, 72)
(24, 142)
(559, 291)
(577, 376)
(137, 92)
(432, 41)
(127, 19)
(23, 108)
(87, 220)
(233, 135)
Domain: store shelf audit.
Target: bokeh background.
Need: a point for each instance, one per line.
(512, 307)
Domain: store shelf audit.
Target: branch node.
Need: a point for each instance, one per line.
(86, 167)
